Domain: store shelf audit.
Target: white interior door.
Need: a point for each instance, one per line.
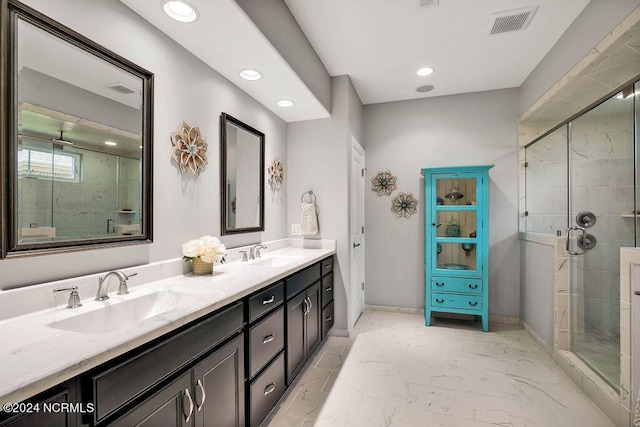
(357, 230)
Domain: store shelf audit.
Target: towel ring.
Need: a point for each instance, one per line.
(310, 193)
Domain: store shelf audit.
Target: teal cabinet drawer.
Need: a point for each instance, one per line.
(459, 302)
(456, 284)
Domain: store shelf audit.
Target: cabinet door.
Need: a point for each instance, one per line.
(313, 319)
(169, 407)
(454, 235)
(45, 418)
(295, 336)
(219, 387)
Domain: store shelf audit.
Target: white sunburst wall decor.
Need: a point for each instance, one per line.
(276, 175)
(189, 149)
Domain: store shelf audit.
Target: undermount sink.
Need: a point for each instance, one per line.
(275, 261)
(125, 314)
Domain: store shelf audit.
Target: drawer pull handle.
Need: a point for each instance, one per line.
(268, 339)
(204, 396)
(473, 304)
(269, 301)
(188, 395)
(439, 301)
(473, 286)
(270, 388)
(329, 289)
(306, 308)
(329, 318)
(439, 284)
(329, 265)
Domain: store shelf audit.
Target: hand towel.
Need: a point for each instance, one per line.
(309, 219)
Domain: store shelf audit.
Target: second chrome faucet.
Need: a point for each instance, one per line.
(103, 285)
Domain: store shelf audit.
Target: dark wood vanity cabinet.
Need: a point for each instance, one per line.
(227, 369)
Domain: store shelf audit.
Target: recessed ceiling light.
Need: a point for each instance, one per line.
(111, 143)
(249, 74)
(424, 71)
(425, 88)
(180, 10)
(285, 103)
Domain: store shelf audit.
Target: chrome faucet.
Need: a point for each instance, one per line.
(254, 252)
(103, 295)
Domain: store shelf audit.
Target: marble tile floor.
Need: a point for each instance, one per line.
(394, 372)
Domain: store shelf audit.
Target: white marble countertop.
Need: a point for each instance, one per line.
(35, 356)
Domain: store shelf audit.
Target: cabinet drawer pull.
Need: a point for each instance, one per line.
(473, 304)
(329, 318)
(310, 304)
(204, 396)
(306, 307)
(268, 339)
(328, 289)
(439, 301)
(188, 396)
(270, 388)
(269, 301)
(473, 286)
(439, 284)
(329, 265)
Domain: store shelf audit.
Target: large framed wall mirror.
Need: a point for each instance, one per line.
(77, 140)
(242, 176)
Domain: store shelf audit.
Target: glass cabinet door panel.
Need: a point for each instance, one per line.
(456, 223)
(451, 190)
(456, 257)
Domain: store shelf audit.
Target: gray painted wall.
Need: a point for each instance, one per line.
(405, 136)
(597, 19)
(317, 154)
(185, 206)
(276, 22)
(536, 293)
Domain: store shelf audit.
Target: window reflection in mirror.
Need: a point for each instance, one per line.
(80, 119)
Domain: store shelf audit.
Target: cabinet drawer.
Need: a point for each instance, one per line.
(327, 289)
(327, 319)
(266, 390)
(118, 385)
(456, 284)
(327, 265)
(265, 300)
(265, 340)
(300, 281)
(460, 302)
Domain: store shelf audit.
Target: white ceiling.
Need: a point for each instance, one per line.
(379, 43)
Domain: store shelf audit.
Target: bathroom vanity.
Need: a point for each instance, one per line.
(227, 364)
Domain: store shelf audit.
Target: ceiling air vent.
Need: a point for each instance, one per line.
(510, 20)
(121, 88)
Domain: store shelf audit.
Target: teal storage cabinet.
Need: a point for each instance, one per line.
(456, 252)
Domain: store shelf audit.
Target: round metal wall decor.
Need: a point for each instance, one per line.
(276, 175)
(189, 149)
(384, 183)
(404, 205)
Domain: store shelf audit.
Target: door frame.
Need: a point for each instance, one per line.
(355, 145)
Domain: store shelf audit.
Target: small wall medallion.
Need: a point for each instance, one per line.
(276, 175)
(384, 183)
(404, 205)
(189, 149)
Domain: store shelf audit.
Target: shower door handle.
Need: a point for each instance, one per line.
(582, 234)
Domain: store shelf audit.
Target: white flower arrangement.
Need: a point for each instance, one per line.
(208, 248)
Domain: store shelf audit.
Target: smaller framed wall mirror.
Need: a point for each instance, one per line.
(242, 176)
(76, 140)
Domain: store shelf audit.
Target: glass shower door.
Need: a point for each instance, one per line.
(601, 202)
